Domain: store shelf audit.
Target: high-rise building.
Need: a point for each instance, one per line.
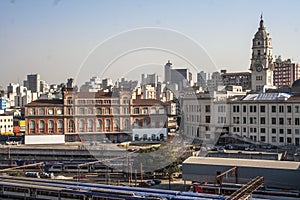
(201, 79)
(168, 68)
(261, 60)
(33, 82)
(149, 79)
(285, 72)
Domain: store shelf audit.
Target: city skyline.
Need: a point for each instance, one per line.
(53, 38)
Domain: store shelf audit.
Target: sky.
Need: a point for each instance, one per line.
(78, 39)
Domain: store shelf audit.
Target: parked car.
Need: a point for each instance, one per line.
(144, 184)
(156, 181)
(151, 182)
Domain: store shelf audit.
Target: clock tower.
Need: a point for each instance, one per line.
(262, 59)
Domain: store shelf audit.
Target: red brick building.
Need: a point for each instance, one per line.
(89, 116)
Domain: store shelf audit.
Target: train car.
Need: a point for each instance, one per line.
(74, 168)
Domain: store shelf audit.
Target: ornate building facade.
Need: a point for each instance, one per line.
(262, 60)
(93, 116)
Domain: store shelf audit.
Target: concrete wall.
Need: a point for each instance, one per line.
(44, 139)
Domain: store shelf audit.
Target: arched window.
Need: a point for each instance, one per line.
(99, 111)
(126, 124)
(90, 125)
(116, 125)
(60, 126)
(41, 111)
(71, 126)
(81, 125)
(136, 137)
(41, 126)
(50, 126)
(107, 125)
(99, 125)
(145, 137)
(32, 126)
(145, 122)
(136, 123)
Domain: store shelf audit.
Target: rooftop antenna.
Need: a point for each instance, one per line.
(261, 15)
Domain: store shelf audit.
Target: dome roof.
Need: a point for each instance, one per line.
(296, 87)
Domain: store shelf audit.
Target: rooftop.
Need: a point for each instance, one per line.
(271, 164)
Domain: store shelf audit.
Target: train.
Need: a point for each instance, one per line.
(27, 188)
(227, 190)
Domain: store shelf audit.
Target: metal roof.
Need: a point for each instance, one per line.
(287, 165)
(266, 96)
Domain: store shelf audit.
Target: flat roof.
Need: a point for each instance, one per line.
(255, 163)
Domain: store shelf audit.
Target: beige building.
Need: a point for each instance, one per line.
(272, 118)
(261, 60)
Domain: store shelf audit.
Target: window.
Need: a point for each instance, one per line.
(31, 126)
(273, 139)
(281, 121)
(244, 129)
(116, 111)
(90, 125)
(281, 131)
(50, 111)
(145, 111)
(41, 111)
(263, 130)
(153, 110)
(273, 120)
(281, 139)
(244, 108)
(244, 120)
(71, 126)
(31, 111)
(81, 111)
(59, 111)
(296, 109)
(136, 123)
(107, 125)
(262, 109)
(273, 109)
(116, 124)
(297, 121)
(126, 124)
(289, 121)
(41, 126)
(258, 78)
(263, 138)
(99, 125)
(51, 126)
(262, 120)
(207, 108)
(90, 111)
(289, 140)
(98, 111)
(136, 111)
(289, 131)
(252, 108)
(107, 111)
(81, 125)
(273, 130)
(297, 131)
(236, 108)
(281, 109)
(161, 111)
(289, 109)
(207, 119)
(60, 126)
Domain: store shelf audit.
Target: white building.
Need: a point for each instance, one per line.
(272, 118)
(6, 124)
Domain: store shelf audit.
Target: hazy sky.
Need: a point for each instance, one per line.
(80, 39)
